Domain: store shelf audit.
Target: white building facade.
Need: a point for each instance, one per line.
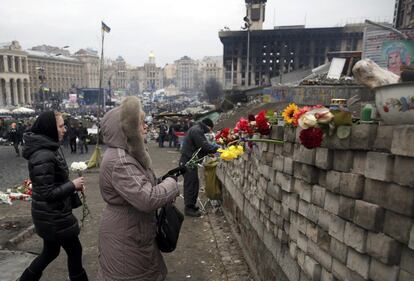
(14, 76)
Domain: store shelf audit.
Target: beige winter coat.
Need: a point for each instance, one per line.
(127, 247)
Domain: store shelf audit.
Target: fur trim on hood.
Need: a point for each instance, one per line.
(126, 136)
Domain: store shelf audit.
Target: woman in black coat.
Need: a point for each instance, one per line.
(52, 198)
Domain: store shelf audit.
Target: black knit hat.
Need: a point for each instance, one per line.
(208, 122)
(45, 125)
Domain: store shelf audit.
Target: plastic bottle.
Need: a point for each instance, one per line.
(366, 113)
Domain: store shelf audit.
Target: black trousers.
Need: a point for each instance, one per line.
(191, 187)
(82, 145)
(72, 144)
(50, 252)
(16, 148)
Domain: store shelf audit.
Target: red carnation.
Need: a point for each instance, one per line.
(243, 126)
(311, 138)
(262, 124)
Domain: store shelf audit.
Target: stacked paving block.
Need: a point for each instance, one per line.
(344, 211)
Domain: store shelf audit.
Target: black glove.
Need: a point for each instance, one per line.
(175, 173)
(173, 177)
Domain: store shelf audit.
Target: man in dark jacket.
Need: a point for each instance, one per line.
(195, 140)
(82, 134)
(163, 133)
(72, 134)
(15, 137)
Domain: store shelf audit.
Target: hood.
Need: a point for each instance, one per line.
(120, 130)
(34, 142)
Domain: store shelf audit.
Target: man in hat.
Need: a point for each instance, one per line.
(195, 140)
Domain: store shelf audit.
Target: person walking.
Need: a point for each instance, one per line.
(163, 133)
(172, 138)
(127, 246)
(195, 140)
(72, 134)
(52, 198)
(82, 135)
(15, 137)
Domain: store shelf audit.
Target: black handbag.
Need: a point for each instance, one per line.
(75, 200)
(169, 221)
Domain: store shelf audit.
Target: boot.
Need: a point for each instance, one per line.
(191, 212)
(28, 275)
(81, 277)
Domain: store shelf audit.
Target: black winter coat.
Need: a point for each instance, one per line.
(194, 140)
(52, 189)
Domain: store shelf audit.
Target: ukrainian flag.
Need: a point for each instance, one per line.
(105, 27)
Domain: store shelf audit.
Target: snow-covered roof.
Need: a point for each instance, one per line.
(48, 55)
(5, 45)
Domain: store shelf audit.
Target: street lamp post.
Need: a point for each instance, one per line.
(247, 25)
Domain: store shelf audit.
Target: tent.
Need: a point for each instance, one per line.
(23, 110)
(4, 111)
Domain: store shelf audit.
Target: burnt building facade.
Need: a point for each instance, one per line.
(252, 57)
(282, 50)
(404, 14)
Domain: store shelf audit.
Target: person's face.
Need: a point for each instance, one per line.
(60, 127)
(394, 62)
(142, 126)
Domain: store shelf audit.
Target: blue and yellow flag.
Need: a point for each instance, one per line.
(105, 27)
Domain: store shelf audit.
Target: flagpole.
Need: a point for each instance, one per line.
(95, 160)
(100, 82)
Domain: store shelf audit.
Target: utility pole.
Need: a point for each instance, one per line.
(42, 79)
(247, 25)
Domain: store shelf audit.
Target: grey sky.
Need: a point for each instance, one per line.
(170, 28)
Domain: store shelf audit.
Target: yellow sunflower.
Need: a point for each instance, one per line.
(289, 113)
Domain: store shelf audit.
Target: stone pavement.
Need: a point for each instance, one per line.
(206, 249)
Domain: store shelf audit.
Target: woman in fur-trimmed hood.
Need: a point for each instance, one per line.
(127, 247)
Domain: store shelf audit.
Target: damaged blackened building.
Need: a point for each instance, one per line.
(269, 53)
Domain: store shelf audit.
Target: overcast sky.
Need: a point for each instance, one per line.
(170, 28)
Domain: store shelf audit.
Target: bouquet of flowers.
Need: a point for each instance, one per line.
(225, 136)
(5, 198)
(230, 153)
(313, 120)
(80, 167)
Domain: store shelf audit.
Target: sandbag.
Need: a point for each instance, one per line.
(370, 74)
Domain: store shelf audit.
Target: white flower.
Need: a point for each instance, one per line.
(323, 115)
(307, 120)
(78, 166)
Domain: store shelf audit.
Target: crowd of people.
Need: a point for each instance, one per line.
(13, 133)
(76, 134)
(173, 132)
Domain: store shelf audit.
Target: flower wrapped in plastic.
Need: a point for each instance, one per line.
(80, 167)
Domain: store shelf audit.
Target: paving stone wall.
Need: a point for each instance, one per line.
(344, 211)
